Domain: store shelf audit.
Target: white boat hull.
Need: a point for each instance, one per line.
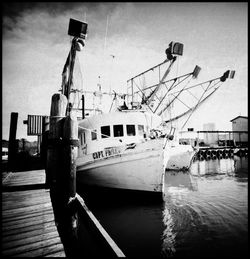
(135, 170)
(178, 157)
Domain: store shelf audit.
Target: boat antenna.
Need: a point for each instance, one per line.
(106, 34)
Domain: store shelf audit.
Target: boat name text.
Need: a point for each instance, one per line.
(106, 153)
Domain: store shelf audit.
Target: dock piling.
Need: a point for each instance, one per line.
(61, 171)
(12, 141)
(69, 155)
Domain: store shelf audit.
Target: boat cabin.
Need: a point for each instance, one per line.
(115, 129)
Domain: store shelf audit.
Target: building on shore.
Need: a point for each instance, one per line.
(240, 130)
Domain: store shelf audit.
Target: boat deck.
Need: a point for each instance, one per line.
(28, 227)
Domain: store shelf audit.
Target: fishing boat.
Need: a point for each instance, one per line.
(118, 150)
(130, 147)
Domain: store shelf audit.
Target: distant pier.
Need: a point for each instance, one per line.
(220, 152)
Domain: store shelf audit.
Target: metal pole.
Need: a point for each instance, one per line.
(132, 93)
(83, 107)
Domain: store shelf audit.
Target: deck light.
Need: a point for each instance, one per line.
(77, 28)
(225, 76)
(196, 71)
(176, 48)
(232, 73)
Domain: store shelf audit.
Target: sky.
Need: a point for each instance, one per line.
(35, 45)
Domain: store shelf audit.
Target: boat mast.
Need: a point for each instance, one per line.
(78, 30)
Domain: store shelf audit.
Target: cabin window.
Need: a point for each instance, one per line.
(141, 130)
(130, 130)
(93, 134)
(81, 139)
(105, 131)
(118, 130)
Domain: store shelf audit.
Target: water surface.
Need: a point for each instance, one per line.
(204, 214)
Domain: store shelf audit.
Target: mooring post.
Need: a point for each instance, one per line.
(61, 171)
(12, 141)
(70, 149)
(65, 186)
(54, 157)
(44, 146)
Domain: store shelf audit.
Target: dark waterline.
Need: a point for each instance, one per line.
(204, 214)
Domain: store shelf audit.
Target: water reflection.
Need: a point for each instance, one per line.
(241, 165)
(206, 209)
(176, 187)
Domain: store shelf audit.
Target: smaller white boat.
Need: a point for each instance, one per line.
(178, 157)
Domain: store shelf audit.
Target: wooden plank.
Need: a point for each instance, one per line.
(13, 179)
(32, 207)
(29, 249)
(28, 223)
(31, 177)
(29, 200)
(28, 226)
(30, 181)
(19, 196)
(57, 254)
(32, 233)
(29, 240)
(24, 193)
(43, 251)
(29, 219)
(28, 229)
(24, 203)
(26, 216)
(5, 176)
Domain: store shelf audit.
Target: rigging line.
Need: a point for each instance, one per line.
(149, 98)
(197, 104)
(203, 87)
(172, 87)
(76, 90)
(112, 102)
(164, 109)
(106, 33)
(81, 76)
(168, 81)
(186, 112)
(209, 81)
(192, 94)
(150, 69)
(177, 66)
(211, 86)
(163, 97)
(102, 57)
(182, 102)
(142, 96)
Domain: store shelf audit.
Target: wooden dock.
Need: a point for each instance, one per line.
(28, 226)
